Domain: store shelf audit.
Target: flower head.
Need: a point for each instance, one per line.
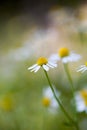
(63, 52)
(82, 68)
(81, 100)
(65, 55)
(44, 63)
(49, 100)
(46, 101)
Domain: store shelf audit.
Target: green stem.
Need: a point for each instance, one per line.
(60, 104)
(72, 87)
(69, 78)
(71, 82)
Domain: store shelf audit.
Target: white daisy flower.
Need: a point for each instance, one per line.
(82, 68)
(65, 55)
(81, 100)
(49, 100)
(44, 63)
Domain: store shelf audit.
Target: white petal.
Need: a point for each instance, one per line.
(82, 68)
(32, 67)
(73, 57)
(65, 60)
(54, 58)
(46, 67)
(80, 105)
(52, 64)
(47, 92)
(54, 103)
(37, 68)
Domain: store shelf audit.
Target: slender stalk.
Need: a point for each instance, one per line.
(72, 87)
(60, 104)
(71, 82)
(69, 78)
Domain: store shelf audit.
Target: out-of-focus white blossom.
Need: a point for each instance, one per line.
(65, 55)
(49, 100)
(81, 100)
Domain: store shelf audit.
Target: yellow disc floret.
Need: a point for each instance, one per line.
(46, 102)
(86, 63)
(84, 93)
(63, 52)
(42, 61)
(85, 100)
(6, 104)
(84, 96)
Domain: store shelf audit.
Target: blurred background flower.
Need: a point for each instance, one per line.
(49, 100)
(6, 103)
(65, 55)
(81, 100)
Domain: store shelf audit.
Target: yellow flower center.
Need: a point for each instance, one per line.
(84, 96)
(85, 102)
(84, 93)
(46, 102)
(42, 61)
(86, 63)
(6, 104)
(63, 52)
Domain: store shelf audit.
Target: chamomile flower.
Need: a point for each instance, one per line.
(49, 100)
(65, 55)
(82, 68)
(44, 63)
(81, 100)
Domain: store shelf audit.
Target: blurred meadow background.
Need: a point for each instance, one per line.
(28, 30)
